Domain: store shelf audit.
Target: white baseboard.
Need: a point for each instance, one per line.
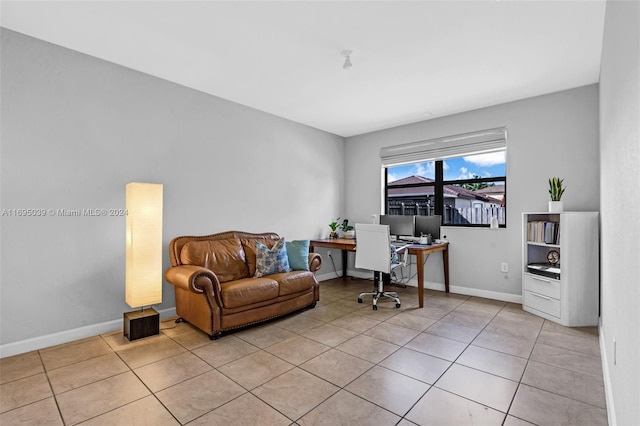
(608, 394)
(327, 276)
(35, 343)
(467, 291)
(476, 292)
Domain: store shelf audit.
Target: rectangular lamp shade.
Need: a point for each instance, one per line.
(144, 244)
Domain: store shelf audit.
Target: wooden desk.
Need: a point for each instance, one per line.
(419, 251)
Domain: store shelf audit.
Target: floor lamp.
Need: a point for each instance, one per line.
(143, 280)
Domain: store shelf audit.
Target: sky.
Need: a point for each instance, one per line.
(483, 165)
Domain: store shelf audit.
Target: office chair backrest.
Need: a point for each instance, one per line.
(373, 247)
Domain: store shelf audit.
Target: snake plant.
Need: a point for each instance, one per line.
(555, 188)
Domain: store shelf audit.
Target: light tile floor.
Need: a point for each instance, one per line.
(458, 361)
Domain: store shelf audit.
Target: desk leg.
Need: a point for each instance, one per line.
(420, 265)
(344, 263)
(445, 264)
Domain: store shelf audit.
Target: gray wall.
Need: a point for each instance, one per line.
(620, 244)
(76, 129)
(551, 135)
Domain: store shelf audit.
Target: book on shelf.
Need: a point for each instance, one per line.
(541, 231)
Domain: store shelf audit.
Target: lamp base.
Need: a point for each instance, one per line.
(143, 323)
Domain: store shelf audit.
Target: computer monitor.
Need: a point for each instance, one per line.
(399, 226)
(428, 225)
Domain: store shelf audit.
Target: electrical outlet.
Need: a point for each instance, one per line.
(504, 267)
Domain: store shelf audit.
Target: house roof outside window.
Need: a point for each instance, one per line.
(493, 194)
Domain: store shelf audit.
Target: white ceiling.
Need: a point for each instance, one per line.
(412, 60)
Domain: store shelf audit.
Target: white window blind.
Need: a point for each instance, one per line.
(480, 142)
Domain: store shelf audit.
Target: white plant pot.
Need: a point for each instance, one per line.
(350, 234)
(555, 207)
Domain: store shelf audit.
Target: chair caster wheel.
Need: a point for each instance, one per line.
(397, 305)
(359, 300)
(375, 308)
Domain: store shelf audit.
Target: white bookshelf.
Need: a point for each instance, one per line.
(566, 293)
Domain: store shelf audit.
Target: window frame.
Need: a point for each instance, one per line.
(439, 184)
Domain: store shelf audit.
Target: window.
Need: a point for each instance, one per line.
(462, 177)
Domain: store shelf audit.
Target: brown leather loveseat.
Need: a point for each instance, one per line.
(215, 287)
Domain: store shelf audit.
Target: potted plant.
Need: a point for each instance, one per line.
(334, 228)
(556, 190)
(349, 230)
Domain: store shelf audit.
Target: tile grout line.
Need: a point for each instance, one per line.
(454, 362)
(53, 394)
(522, 375)
(339, 298)
(404, 346)
(542, 362)
(403, 416)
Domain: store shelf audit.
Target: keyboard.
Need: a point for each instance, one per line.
(400, 242)
(411, 240)
(406, 240)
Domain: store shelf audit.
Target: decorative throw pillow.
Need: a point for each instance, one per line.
(249, 247)
(394, 254)
(298, 254)
(271, 261)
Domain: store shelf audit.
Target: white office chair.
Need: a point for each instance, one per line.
(373, 252)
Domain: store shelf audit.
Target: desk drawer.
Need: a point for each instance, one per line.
(542, 303)
(542, 285)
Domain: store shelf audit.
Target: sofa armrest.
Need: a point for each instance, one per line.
(315, 261)
(193, 278)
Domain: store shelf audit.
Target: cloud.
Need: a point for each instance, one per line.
(487, 160)
(464, 173)
(392, 177)
(425, 169)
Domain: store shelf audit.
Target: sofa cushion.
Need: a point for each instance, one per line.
(294, 282)
(247, 291)
(271, 260)
(249, 246)
(394, 254)
(226, 258)
(298, 254)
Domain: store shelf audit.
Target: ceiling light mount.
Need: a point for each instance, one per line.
(347, 59)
